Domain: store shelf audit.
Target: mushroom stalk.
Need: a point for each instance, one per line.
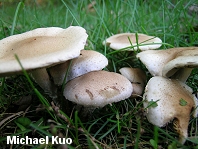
(41, 77)
(182, 74)
(180, 67)
(59, 71)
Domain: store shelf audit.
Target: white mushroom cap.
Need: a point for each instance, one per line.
(137, 77)
(41, 47)
(155, 60)
(145, 42)
(174, 99)
(88, 60)
(98, 88)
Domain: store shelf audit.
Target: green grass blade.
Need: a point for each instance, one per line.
(20, 4)
(42, 99)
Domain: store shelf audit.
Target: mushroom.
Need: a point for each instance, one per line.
(167, 100)
(155, 60)
(88, 60)
(98, 88)
(137, 77)
(131, 42)
(182, 65)
(40, 48)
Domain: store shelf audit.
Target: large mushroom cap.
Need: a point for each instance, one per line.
(174, 101)
(145, 42)
(98, 88)
(40, 48)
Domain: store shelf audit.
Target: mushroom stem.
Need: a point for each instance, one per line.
(85, 112)
(182, 74)
(41, 77)
(59, 71)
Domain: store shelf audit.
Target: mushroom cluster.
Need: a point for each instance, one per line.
(170, 69)
(89, 86)
(40, 49)
(54, 56)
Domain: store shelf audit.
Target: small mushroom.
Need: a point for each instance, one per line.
(98, 88)
(167, 100)
(40, 48)
(128, 40)
(155, 60)
(137, 77)
(88, 60)
(182, 65)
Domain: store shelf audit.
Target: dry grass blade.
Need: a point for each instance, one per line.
(10, 118)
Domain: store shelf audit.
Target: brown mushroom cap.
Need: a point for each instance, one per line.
(145, 42)
(174, 100)
(41, 47)
(98, 88)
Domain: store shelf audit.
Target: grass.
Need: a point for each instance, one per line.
(27, 111)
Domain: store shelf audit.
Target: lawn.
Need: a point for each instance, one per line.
(27, 111)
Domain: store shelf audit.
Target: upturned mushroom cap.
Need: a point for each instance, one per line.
(137, 77)
(88, 60)
(181, 66)
(41, 47)
(98, 88)
(155, 60)
(174, 100)
(145, 42)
